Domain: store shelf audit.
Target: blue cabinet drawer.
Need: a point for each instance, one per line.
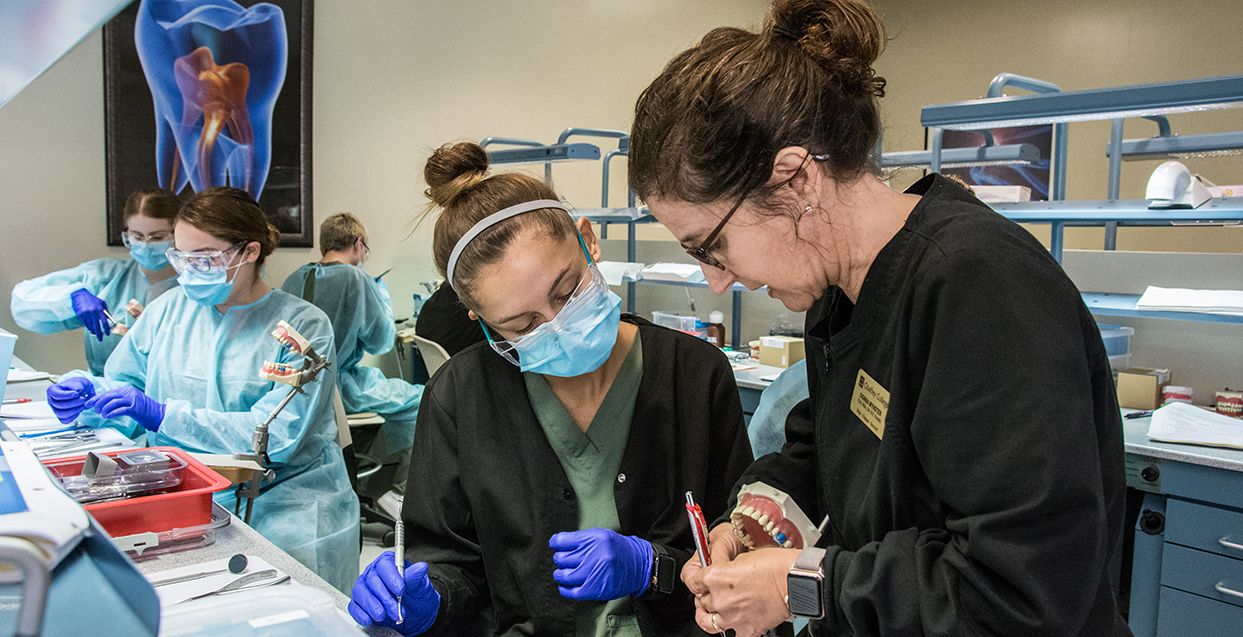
(750, 398)
(1203, 573)
(1187, 615)
(1204, 527)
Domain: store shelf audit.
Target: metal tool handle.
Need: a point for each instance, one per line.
(240, 582)
(187, 578)
(1230, 545)
(1221, 588)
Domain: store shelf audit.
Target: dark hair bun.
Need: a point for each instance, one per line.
(452, 169)
(844, 36)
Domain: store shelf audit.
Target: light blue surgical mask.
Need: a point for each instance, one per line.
(578, 340)
(210, 287)
(150, 255)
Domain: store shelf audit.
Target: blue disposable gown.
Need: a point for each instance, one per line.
(204, 366)
(42, 304)
(362, 320)
(767, 429)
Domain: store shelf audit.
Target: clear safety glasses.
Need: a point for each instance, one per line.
(130, 238)
(577, 305)
(200, 261)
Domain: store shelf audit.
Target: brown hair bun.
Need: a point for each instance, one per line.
(844, 36)
(452, 169)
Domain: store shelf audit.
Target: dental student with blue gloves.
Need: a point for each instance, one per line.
(83, 296)
(550, 463)
(187, 375)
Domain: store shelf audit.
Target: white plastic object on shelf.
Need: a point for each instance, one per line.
(1173, 186)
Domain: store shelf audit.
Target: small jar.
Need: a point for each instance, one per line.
(715, 332)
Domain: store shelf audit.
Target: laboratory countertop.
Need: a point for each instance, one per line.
(236, 538)
(1137, 443)
(751, 378)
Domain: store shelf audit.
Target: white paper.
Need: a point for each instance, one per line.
(673, 272)
(171, 594)
(1180, 422)
(1228, 302)
(32, 409)
(618, 272)
(34, 425)
(21, 375)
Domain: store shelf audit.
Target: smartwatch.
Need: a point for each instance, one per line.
(805, 584)
(664, 572)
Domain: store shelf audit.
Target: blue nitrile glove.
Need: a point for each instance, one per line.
(129, 401)
(374, 598)
(69, 397)
(601, 564)
(90, 309)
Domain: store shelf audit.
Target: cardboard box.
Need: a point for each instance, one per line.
(1141, 387)
(781, 351)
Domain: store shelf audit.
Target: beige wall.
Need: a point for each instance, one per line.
(396, 78)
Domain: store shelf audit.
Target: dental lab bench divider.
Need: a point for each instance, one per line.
(234, 538)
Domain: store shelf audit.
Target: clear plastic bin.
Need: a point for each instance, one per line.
(1117, 339)
(674, 321)
(267, 612)
(138, 472)
(145, 545)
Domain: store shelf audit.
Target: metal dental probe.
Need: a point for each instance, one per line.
(399, 558)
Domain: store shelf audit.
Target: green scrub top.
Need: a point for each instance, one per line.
(591, 460)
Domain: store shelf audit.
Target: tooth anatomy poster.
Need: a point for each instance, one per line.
(203, 93)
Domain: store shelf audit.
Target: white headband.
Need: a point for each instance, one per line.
(492, 220)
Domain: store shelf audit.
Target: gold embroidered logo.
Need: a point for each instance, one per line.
(870, 402)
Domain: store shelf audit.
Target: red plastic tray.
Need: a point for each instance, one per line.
(187, 505)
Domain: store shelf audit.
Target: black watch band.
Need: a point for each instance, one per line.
(664, 572)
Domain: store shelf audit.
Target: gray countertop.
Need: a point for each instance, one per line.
(750, 378)
(1137, 442)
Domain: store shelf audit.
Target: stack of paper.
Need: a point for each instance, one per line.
(680, 272)
(1180, 422)
(618, 272)
(1229, 302)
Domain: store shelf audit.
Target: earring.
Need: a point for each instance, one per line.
(807, 209)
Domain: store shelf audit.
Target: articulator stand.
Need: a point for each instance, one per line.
(295, 378)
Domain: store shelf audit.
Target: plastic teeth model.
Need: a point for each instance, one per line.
(133, 308)
(769, 517)
(119, 329)
(282, 373)
(291, 339)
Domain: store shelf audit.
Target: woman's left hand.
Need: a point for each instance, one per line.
(746, 594)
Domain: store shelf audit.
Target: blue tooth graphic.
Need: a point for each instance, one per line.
(215, 69)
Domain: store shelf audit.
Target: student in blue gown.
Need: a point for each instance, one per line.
(188, 374)
(79, 297)
(362, 320)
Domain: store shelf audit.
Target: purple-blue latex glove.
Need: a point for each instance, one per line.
(374, 598)
(129, 401)
(69, 397)
(90, 309)
(601, 564)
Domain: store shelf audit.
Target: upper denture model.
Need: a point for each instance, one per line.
(215, 69)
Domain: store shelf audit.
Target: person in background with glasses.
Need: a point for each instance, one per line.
(362, 320)
(85, 296)
(546, 488)
(187, 375)
(962, 437)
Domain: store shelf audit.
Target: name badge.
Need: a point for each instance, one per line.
(870, 402)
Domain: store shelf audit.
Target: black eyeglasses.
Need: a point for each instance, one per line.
(703, 254)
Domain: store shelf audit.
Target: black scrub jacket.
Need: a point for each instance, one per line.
(989, 498)
(486, 490)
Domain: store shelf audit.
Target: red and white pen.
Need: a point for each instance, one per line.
(699, 529)
(16, 401)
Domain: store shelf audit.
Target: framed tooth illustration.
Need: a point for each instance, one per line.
(203, 93)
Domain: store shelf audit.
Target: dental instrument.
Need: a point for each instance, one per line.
(237, 564)
(399, 558)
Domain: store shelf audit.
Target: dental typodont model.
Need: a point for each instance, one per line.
(768, 517)
(215, 69)
(287, 374)
(133, 308)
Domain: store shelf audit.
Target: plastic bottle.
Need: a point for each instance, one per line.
(716, 329)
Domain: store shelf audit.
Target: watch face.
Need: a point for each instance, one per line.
(804, 595)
